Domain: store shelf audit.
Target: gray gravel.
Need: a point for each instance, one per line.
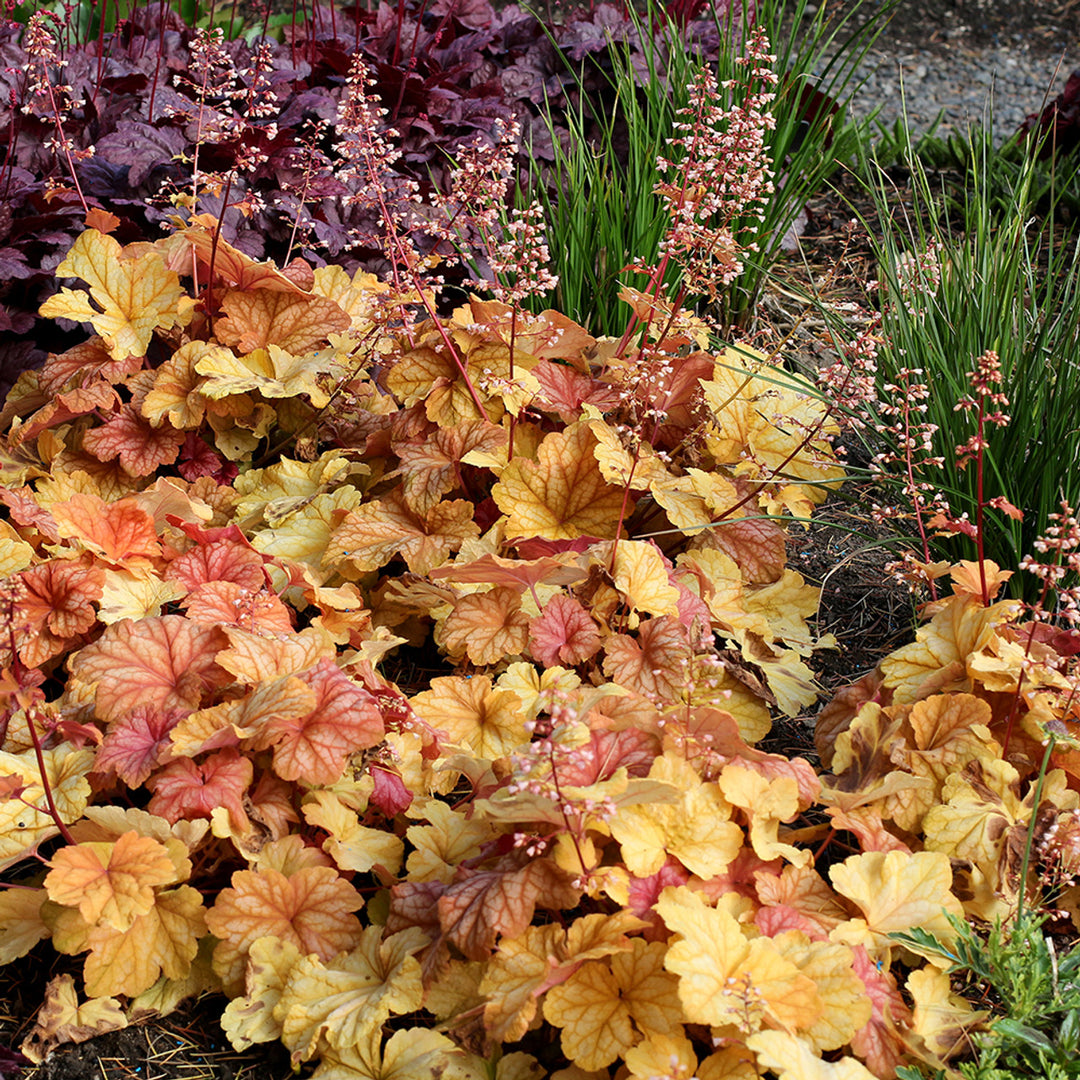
(964, 81)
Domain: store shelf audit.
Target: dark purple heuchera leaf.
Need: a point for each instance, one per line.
(1060, 120)
(12, 1062)
(446, 71)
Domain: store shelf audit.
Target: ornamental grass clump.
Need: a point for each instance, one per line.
(599, 188)
(999, 286)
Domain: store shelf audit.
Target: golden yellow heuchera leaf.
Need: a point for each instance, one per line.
(23, 828)
(943, 1019)
(697, 829)
(487, 627)
(176, 395)
(304, 534)
(250, 1019)
(898, 890)
(21, 924)
(794, 1059)
(605, 1007)
(640, 575)
(136, 296)
(351, 845)
(490, 723)
(617, 465)
(409, 1054)
(340, 1003)
(61, 1019)
(513, 978)
(356, 296)
(447, 840)
(695, 501)
(936, 660)
(272, 371)
(847, 1006)
(724, 977)
(561, 495)
(164, 941)
(766, 802)
(269, 495)
(110, 883)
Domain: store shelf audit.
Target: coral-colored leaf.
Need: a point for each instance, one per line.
(487, 627)
(166, 662)
(653, 664)
(110, 883)
(136, 296)
(188, 789)
(296, 322)
(520, 574)
(313, 748)
(561, 495)
(225, 603)
(563, 633)
(313, 908)
(220, 560)
(54, 604)
(483, 904)
(140, 448)
(136, 744)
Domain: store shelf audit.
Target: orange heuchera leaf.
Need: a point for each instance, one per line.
(295, 322)
(110, 883)
(252, 658)
(490, 723)
(140, 448)
(175, 395)
(429, 465)
(372, 534)
(967, 578)
(653, 664)
(119, 532)
(313, 908)
(186, 789)
(136, 295)
(167, 662)
(199, 246)
(563, 633)
(226, 724)
(756, 545)
(520, 574)
(487, 627)
(514, 977)
(603, 1009)
(83, 364)
(136, 744)
(482, 904)
(561, 495)
(54, 604)
(313, 748)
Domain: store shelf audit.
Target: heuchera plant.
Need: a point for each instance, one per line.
(254, 498)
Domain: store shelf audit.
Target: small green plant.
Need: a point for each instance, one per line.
(599, 193)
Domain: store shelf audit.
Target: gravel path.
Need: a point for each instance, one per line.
(960, 57)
